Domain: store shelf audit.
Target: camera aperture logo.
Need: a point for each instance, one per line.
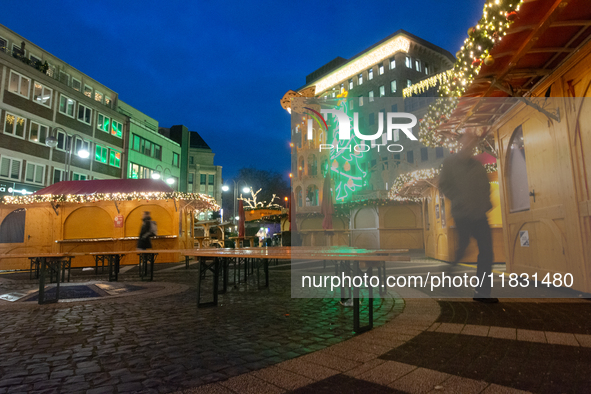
(392, 120)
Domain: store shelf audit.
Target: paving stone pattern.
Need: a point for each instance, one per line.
(163, 344)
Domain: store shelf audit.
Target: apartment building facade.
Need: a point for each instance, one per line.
(43, 98)
(149, 153)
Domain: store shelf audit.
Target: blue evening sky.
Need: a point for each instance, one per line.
(221, 67)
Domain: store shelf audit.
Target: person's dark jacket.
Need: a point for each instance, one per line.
(464, 181)
(145, 233)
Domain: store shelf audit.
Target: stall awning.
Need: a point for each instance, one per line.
(106, 186)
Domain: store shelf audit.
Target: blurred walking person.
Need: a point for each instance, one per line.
(464, 182)
(145, 232)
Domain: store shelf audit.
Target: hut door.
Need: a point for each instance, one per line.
(540, 229)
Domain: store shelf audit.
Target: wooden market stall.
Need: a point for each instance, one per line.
(531, 91)
(97, 216)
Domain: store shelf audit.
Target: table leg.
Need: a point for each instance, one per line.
(43, 267)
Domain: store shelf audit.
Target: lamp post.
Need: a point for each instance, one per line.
(51, 141)
(246, 189)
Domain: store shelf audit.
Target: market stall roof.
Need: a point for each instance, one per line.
(106, 186)
(542, 36)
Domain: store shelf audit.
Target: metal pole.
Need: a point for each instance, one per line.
(234, 203)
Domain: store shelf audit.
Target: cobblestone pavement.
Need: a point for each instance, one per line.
(263, 341)
(158, 340)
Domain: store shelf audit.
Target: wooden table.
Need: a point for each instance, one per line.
(361, 259)
(113, 259)
(54, 263)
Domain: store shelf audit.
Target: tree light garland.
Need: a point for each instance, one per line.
(496, 19)
(425, 84)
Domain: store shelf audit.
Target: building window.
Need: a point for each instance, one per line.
(372, 119)
(64, 78)
(175, 159)
(58, 175)
(62, 140)
(15, 125)
(342, 88)
(438, 152)
(100, 154)
(396, 135)
(19, 84)
(408, 62)
(211, 180)
(114, 158)
(79, 177)
(382, 91)
(76, 84)
(371, 96)
(408, 83)
(351, 84)
(426, 69)
(103, 123)
(10, 168)
(190, 182)
(135, 144)
(67, 106)
(3, 45)
(38, 133)
(191, 160)
(424, 154)
(351, 105)
(392, 64)
(84, 114)
(361, 101)
(360, 79)
(418, 65)
(80, 145)
(35, 173)
(393, 86)
(410, 156)
(381, 69)
(107, 101)
(116, 129)
(98, 96)
(157, 151)
(87, 91)
(370, 74)
(42, 94)
(394, 107)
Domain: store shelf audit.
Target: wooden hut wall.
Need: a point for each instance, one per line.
(551, 232)
(387, 226)
(86, 228)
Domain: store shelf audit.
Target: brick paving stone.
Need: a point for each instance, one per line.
(456, 384)
(282, 378)
(102, 390)
(129, 387)
(559, 338)
(248, 384)
(584, 340)
(386, 373)
(531, 335)
(502, 332)
(472, 329)
(421, 380)
(309, 370)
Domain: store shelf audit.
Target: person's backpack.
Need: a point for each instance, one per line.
(153, 228)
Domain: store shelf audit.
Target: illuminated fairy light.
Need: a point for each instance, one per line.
(396, 44)
(496, 19)
(412, 178)
(425, 84)
(203, 201)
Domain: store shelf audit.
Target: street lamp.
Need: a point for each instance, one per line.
(51, 141)
(226, 188)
